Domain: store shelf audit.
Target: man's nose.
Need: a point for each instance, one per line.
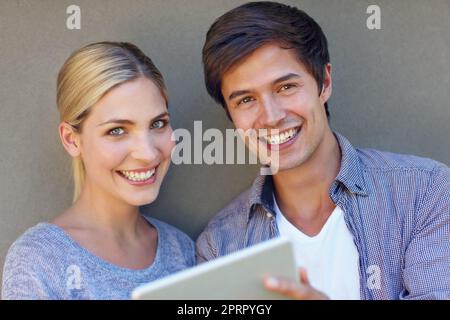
(271, 112)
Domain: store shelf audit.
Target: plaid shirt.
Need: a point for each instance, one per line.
(397, 207)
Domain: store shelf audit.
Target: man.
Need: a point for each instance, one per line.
(366, 224)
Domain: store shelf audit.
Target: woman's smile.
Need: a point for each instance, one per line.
(139, 177)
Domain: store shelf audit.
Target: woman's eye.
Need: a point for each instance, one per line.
(245, 100)
(116, 132)
(158, 124)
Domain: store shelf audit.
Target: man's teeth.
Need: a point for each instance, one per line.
(282, 137)
(138, 176)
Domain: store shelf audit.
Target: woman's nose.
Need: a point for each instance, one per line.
(144, 149)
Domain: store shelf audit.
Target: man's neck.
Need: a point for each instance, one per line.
(302, 192)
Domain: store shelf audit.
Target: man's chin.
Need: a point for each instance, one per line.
(287, 165)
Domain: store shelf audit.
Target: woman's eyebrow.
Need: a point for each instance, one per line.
(126, 121)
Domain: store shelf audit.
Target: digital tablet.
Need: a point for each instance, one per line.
(238, 276)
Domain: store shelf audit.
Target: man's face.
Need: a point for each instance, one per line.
(271, 89)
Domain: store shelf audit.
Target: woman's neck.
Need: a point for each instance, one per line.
(96, 211)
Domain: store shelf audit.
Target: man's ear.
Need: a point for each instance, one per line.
(70, 139)
(327, 84)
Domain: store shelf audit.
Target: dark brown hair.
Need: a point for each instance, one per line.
(242, 30)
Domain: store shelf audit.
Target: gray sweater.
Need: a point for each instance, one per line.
(46, 263)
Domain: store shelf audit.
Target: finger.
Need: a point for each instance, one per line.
(303, 276)
(286, 287)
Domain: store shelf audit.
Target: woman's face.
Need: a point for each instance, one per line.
(125, 143)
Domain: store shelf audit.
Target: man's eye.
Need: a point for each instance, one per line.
(158, 124)
(116, 132)
(245, 100)
(286, 87)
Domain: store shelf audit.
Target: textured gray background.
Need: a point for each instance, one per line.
(390, 92)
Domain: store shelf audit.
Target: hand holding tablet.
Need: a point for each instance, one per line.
(238, 276)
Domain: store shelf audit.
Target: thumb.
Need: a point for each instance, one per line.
(303, 275)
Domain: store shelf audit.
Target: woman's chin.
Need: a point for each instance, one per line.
(142, 200)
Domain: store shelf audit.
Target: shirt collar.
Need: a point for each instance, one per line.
(261, 193)
(350, 175)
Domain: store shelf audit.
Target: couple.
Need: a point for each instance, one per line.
(366, 224)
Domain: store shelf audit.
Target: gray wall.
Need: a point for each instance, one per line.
(390, 92)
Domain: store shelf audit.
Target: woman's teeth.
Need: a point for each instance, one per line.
(282, 137)
(138, 176)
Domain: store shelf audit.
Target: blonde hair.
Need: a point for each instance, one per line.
(91, 72)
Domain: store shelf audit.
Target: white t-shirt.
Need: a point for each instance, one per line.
(330, 258)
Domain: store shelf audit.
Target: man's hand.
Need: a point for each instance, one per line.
(296, 290)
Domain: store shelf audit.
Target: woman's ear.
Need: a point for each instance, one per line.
(70, 139)
(327, 84)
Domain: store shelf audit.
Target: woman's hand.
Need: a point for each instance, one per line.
(301, 290)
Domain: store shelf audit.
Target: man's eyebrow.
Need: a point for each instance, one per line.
(126, 121)
(238, 93)
(288, 76)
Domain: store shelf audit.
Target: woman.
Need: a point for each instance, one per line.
(115, 125)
